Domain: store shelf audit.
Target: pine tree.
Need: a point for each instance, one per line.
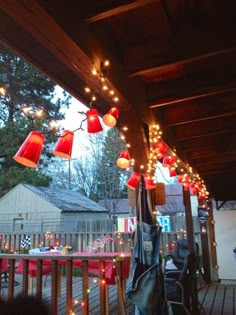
(111, 179)
(25, 86)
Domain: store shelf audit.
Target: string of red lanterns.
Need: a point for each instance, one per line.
(29, 153)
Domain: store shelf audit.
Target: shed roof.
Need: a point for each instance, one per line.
(66, 200)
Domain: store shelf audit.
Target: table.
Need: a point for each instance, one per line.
(93, 265)
(110, 271)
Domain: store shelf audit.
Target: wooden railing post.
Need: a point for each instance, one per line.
(85, 309)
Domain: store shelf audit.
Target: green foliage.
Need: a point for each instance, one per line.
(25, 86)
(111, 179)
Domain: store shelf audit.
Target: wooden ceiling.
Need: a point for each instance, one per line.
(172, 62)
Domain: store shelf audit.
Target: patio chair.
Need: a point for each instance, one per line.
(181, 251)
(179, 286)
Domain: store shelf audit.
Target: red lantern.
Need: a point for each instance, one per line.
(110, 118)
(194, 190)
(123, 159)
(64, 145)
(186, 186)
(93, 124)
(29, 152)
(166, 161)
(149, 182)
(160, 148)
(171, 246)
(172, 171)
(133, 180)
(180, 178)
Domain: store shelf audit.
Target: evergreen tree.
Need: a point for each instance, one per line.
(25, 87)
(95, 174)
(111, 179)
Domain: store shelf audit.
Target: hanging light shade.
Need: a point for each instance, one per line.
(172, 171)
(123, 159)
(133, 180)
(149, 182)
(63, 147)
(194, 190)
(166, 161)
(160, 149)
(186, 186)
(29, 152)
(180, 179)
(93, 122)
(110, 118)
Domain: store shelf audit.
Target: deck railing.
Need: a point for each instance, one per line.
(79, 242)
(55, 262)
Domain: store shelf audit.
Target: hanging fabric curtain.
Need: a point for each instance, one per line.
(146, 286)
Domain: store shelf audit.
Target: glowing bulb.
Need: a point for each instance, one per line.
(2, 91)
(106, 63)
(94, 71)
(87, 89)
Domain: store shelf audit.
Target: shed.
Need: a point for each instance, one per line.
(174, 201)
(28, 208)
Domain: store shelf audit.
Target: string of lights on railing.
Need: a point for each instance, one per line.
(30, 151)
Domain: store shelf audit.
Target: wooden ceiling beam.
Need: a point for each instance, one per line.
(162, 68)
(118, 10)
(80, 55)
(202, 119)
(186, 113)
(204, 129)
(193, 95)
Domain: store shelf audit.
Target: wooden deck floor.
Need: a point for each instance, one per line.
(94, 306)
(218, 299)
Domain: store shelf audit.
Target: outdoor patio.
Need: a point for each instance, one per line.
(217, 299)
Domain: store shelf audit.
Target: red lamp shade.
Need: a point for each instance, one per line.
(111, 116)
(64, 144)
(166, 161)
(180, 178)
(160, 148)
(186, 186)
(133, 180)
(194, 190)
(149, 182)
(29, 152)
(123, 159)
(94, 124)
(172, 171)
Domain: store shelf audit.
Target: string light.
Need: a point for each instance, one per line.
(157, 148)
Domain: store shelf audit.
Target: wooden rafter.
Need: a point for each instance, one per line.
(188, 60)
(118, 10)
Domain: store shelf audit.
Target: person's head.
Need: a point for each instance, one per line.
(24, 305)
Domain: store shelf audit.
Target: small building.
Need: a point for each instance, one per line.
(28, 208)
(117, 207)
(174, 201)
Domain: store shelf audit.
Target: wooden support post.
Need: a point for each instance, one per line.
(120, 284)
(54, 287)
(39, 279)
(69, 292)
(189, 219)
(212, 242)
(189, 228)
(85, 309)
(104, 307)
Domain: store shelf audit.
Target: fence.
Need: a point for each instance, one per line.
(12, 243)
